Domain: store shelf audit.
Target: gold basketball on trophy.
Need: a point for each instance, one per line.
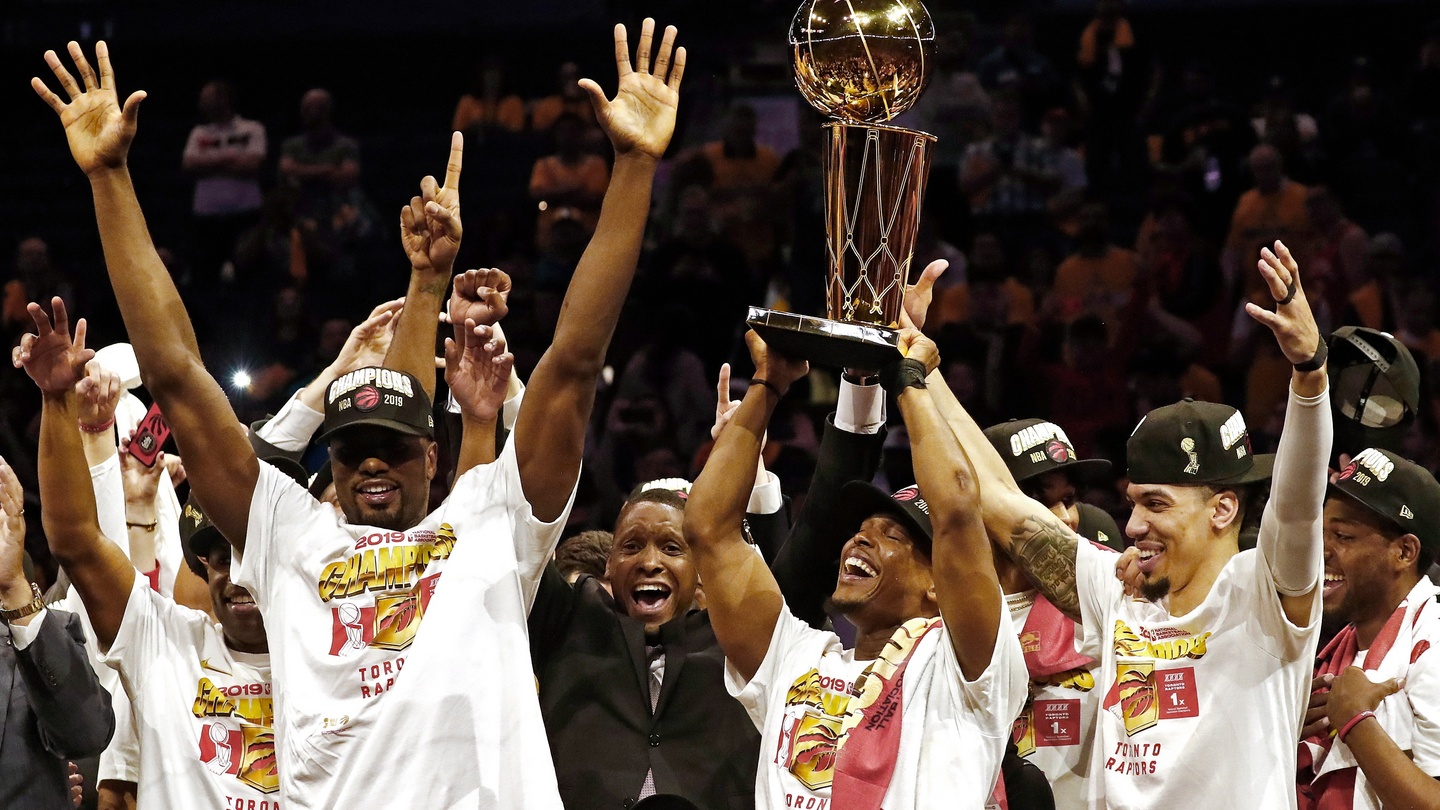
(862, 61)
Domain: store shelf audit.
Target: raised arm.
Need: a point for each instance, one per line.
(99, 570)
(966, 585)
(478, 369)
(741, 594)
(1290, 540)
(550, 434)
(222, 467)
(430, 231)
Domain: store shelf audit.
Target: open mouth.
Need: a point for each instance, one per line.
(1150, 557)
(241, 602)
(1333, 583)
(651, 598)
(855, 568)
(378, 493)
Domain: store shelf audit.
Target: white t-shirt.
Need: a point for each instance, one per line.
(1202, 710)
(953, 731)
(221, 193)
(203, 711)
(1411, 717)
(1055, 731)
(351, 608)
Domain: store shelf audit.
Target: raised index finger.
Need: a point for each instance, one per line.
(722, 388)
(452, 168)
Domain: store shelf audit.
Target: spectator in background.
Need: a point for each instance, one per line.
(1016, 67)
(1097, 279)
(1339, 290)
(1009, 177)
(1181, 271)
(321, 163)
(1056, 131)
(570, 183)
(486, 105)
(1296, 134)
(1367, 138)
(737, 162)
(1206, 142)
(35, 274)
(1117, 82)
(1004, 300)
(1274, 209)
(584, 553)
(224, 154)
(567, 98)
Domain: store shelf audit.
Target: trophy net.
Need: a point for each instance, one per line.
(874, 183)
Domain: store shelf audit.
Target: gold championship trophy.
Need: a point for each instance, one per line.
(861, 62)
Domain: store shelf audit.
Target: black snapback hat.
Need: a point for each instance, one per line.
(1033, 447)
(1192, 443)
(198, 535)
(1400, 491)
(378, 396)
(862, 500)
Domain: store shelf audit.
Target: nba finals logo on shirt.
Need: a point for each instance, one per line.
(243, 749)
(371, 379)
(387, 562)
(811, 733)
(1146, 692)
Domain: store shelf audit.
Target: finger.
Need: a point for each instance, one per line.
(39, 318)
(452, 167)
(102, 58)
(929, 276)
(1391, 686)
(12, 497)
(131, 111)
(597, 96)
(642, 49)
(46, 95)
(722, 388)
(678, 69)
(81, 327)
(1276, 277)
(62, 318)
(662, 58)
(428, 188)
(622, 53)
(388, 306)
(86, 73)
(1267, 318)
(445, 218)
(1288, 260)
(15, 357)
(66, 80)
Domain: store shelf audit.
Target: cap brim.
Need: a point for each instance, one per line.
(861, 500)
(1086, 469)
(1262, 468)
(392, 424)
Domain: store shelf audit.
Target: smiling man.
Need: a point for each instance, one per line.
(918, 713)
(1376, 740)
(1205, 679)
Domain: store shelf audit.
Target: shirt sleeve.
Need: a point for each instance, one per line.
(23, 635)
(993, 700)
(110, 502)
(766, 497)
(1098, 588)
(141, 637)
(291, 428)
(861, 408)
(1422, 687)
(278, 507)
(792, 643)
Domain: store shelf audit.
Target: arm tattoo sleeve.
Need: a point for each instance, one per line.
(1045, 550)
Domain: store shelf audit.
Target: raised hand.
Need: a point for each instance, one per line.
(98, 394)
(914, 344)
(140, 483)
(773, 367)
(430, 225)
(51, 359)
(14, 590)
(368, 342)
(477, 369)
(98, 128)
(919, 295)
(641, 117)
(1292, 322)
(481, 296)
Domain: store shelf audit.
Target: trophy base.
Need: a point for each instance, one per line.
(823, 342)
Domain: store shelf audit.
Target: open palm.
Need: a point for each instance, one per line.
(98, 128)
(51, 358)
(641, 117)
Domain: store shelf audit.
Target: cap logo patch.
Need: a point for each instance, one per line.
(1349, 471)
(1029, 438)
(1376, 462)
(378, 377)
(1187, 445)
(367, 399)
(1059, 452)
(1233, 432)
(1406, 513)
(912, 494)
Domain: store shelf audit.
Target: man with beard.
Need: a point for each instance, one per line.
(351, 731)
(1206, 675)
(917, 714)
(1365, 746)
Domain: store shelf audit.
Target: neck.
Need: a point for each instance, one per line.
(1369, 627)
(870, 642)
(1186, 598)
(256, 648)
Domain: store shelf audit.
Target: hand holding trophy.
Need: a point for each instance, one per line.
(861, 62)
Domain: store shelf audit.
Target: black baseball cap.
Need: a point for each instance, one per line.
(862, 500)
(1192, 443)
(1033, 447)
(1400, 491)
(378, 396)
(198, 535)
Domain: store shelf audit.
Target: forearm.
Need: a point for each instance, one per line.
(718, 499)
(65, 485)
(99, 447)
(477, 445)
(413, 348)
(1290, 531)
(942, 470)
(142, 529)
(1396, 778)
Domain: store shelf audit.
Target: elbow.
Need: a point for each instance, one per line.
(169, 371)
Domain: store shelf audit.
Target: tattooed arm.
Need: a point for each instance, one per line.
(1019, 525)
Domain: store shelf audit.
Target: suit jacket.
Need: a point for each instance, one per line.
(594, 675)
(809, 563)
(52, 709)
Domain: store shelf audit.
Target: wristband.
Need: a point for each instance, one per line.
(100, 428)
(1351, 723)
(907, 373)
(1316, 360)
(766, 383)
(149, 527)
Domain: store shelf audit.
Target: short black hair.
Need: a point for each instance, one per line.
(584, 553)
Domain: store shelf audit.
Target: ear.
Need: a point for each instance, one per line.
(1226, 510)
(432, 461)
(1407, 550)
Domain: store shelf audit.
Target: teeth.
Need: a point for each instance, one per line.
(652, 589)
(1334, 577)
(859, 566)
(374, 489)
(242, 600)
(1147, 554)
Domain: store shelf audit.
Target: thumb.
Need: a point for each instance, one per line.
(131, 111)
(597, 96)
(1392, 686)
(930, 275)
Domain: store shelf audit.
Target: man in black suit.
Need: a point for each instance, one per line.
(52, 707)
